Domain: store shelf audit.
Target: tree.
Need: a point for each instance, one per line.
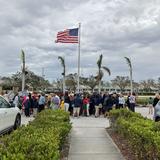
(91, 82)
(121, 82)
(158, 84)
(71, 81)
(31, 79)
(100, 71)
(147, 85)
(130, 70)
(7, 83)
(64, 71)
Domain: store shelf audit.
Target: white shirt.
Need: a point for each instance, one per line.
(132, 99)
(121, 100)
(16, 101)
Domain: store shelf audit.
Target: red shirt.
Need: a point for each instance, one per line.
(86, 101)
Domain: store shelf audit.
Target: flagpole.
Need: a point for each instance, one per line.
(64, 74)
(79, 44)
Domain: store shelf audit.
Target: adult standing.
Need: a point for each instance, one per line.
(108, 103)
(77, 105)
(132, 101)
(105, 97)
(55, 102)
(31, 103)
(127, 101)
(27, 105)
(66, 101)
(150, 105)
(155, 101)
(41, 102)
(16, 100)
(97, 102)
(35, 105)
(121, 101)
(92, 104)
(115, 101)
(71, 104)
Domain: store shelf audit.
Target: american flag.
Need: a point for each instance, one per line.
(68, 36)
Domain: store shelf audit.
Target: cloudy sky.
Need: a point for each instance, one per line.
(114, 28)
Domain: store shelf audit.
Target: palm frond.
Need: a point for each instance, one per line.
(22, 56)
(107, 70)
(99, 62)
(61, 60)
(99, 75)
(128, 62)
(62, 63)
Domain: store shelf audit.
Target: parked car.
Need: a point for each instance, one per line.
(10, 116)
(157, 112)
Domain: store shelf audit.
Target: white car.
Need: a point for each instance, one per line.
(157, 112)
(10, 116)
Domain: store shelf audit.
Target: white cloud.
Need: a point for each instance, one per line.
(115, 28)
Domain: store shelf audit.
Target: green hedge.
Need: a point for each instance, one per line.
(42, 139)
(142, 100)
(142, 134)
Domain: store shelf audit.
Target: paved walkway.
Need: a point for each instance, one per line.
(90, 141)
(25, 120)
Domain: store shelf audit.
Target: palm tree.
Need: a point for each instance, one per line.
(64, 71)
(100, 71)
(130, 70)
(23, 69)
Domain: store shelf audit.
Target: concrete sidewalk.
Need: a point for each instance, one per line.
(90, 141)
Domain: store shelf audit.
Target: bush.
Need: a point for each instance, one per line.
(142, 100)
(142, 134)
(41, 139)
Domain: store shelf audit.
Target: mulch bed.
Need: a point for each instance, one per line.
(122, 144)
(65, 149)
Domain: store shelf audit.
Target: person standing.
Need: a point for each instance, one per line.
(132, 101)
(97, 102)
(35, 105)
(115, 101)
(86, 105)
(31, 102)
(41, 102)
(49, 101)
(155, 101)
(121, 101)
(16, 100)
(71, 104)
(127, 101)
(108, 103)
(77, 105)
(62, 107)
(55, 102)
(92, 104)
(66, 101)
(27, 106)
(150, 105)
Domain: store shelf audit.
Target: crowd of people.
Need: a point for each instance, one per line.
(77, 104)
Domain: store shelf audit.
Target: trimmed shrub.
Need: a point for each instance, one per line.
(142, 134)
(39, 140)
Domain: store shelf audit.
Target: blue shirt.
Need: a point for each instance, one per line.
(41, 100)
